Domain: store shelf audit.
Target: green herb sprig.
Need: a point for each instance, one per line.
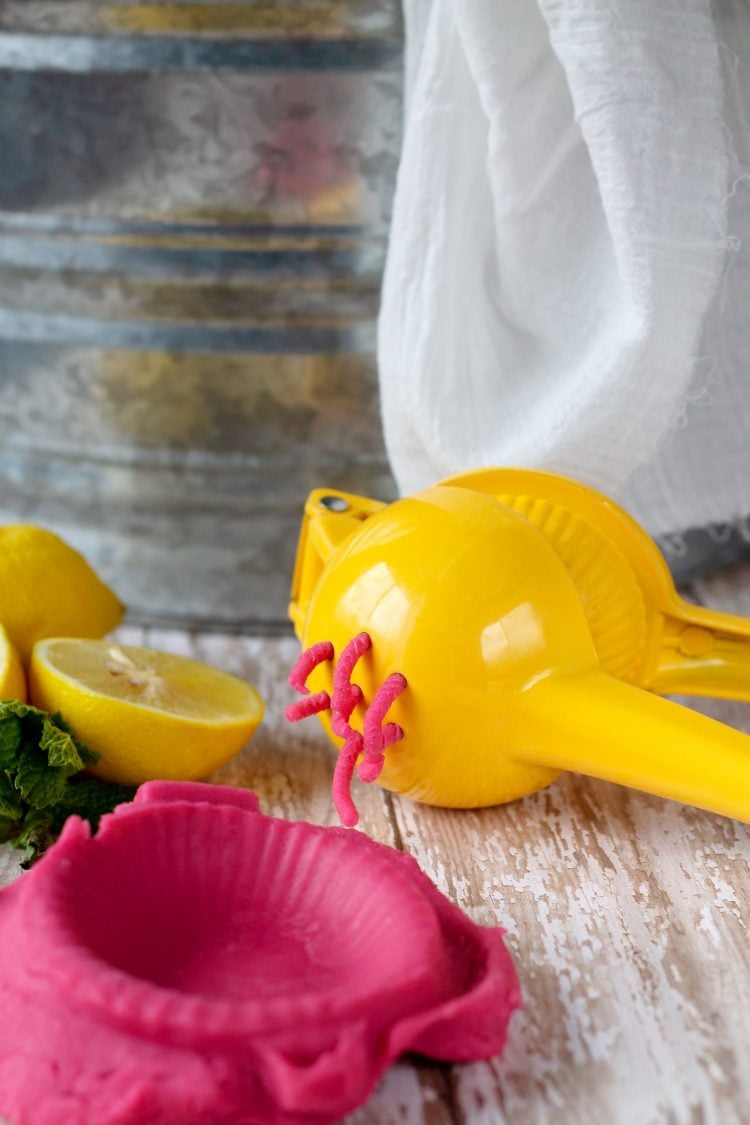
(42, 781)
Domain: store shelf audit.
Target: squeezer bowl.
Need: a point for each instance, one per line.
(198, 961)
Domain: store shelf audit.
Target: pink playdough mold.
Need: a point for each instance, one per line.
(198, 962)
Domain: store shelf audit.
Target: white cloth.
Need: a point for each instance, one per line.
(566, 286)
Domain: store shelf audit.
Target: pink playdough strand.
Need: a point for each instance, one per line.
(308, 660)
(342, 780)
(340, 726)
(311, 704)
(307, 706)
(347, 695)
(378, 735)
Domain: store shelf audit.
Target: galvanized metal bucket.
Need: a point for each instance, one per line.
(194, 201)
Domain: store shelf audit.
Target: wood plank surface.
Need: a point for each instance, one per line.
(627, 917)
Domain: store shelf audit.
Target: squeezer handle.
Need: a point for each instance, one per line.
(703, 652)
(592, 724)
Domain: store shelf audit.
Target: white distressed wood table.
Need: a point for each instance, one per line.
(627, 917)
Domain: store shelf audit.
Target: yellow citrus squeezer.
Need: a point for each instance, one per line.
(643, 630)
(474, 606)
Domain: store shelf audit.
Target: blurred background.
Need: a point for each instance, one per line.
(194, 203)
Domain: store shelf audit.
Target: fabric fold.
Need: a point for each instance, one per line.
(559, 236)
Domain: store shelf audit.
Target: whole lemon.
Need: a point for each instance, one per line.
(12, 676)
(48, 590)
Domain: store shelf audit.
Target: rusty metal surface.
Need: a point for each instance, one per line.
(82, 35)
(193, 210)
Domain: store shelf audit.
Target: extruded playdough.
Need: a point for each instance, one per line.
(197, 961)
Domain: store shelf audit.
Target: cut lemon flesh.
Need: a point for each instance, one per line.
(12, 678)
(159, 680)
(149, 714)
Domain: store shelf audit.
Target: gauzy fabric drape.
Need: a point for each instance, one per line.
(566, 285)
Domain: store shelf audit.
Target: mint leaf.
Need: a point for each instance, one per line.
(61, 748)
(91, 799)
(10, 803)
(41, 780)
(37, 834)
(39, 784)
(10, 739)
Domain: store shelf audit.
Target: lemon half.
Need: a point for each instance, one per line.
(48, 590)
(12, 678)
(149, 714)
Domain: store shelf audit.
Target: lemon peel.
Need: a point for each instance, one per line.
(12, 676)
(48, 589)
(149, 714)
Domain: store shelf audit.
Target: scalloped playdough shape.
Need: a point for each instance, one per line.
(199, 961)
